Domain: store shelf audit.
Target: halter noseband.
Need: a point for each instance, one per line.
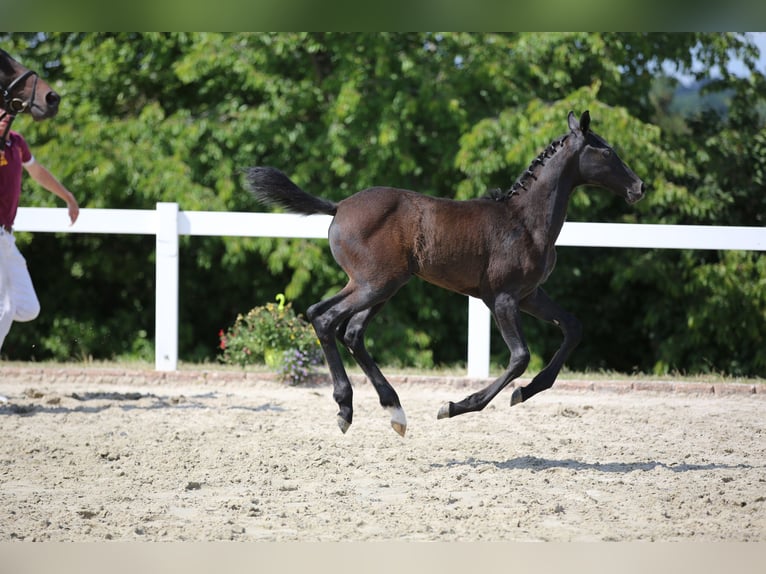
(13, 106)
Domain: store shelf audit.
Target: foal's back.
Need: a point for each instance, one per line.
(384, 234)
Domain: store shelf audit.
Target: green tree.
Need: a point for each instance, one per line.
(150, 117)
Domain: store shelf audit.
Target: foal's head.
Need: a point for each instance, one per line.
(600, 165)
(22, 90)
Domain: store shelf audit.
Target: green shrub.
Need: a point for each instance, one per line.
(273, 334)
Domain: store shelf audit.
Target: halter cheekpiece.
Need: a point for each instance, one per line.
(14, 106)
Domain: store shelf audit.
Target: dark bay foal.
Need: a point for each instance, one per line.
(22, 90)
(499, 249)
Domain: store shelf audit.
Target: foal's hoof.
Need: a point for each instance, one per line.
(343, 424)
(398, 420)
(516, 397)
(444, 411)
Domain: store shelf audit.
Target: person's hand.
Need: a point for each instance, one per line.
(74, 210)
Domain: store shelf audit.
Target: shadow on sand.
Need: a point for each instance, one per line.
(96, 402)
(537, 464)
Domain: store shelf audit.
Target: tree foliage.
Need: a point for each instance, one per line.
(150, 117)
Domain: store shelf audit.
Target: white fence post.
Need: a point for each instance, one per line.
(166, 300)
(478, 338)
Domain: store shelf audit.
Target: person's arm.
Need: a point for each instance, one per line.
(46, 179)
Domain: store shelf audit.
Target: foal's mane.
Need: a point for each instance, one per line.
(500, 195)
(5, 63)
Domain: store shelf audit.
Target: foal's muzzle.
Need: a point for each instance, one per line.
(635, 193)
(39, 107)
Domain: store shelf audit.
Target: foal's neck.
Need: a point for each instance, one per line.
(546, 201)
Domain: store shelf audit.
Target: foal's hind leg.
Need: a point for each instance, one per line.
(540, 305)
(352, 335)
(508, 318)
(325, 318)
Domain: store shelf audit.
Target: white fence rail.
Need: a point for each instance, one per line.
(167, 223)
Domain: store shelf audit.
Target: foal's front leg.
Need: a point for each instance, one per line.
(507, 315)
(540, 305)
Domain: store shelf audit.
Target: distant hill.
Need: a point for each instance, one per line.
(688, 99)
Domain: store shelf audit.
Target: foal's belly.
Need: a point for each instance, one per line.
(459, 280)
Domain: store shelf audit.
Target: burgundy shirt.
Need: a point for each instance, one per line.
(17, 154)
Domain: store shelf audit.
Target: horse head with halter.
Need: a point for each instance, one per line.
(21, 91)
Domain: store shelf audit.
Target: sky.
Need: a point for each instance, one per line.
(760, 41)
(735, 67)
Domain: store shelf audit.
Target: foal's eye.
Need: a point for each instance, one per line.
(607, 153)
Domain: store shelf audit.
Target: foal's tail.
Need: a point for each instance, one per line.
(271, 186)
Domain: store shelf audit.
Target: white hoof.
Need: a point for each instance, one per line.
(398, 420)
(443, 412)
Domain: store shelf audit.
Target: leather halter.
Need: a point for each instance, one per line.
(13, 106)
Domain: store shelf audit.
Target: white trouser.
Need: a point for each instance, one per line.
(18, 300)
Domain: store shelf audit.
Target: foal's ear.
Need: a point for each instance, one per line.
(572, 122)
(583, 125)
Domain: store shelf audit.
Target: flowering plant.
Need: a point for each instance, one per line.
(275, 335)
(298, 366)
